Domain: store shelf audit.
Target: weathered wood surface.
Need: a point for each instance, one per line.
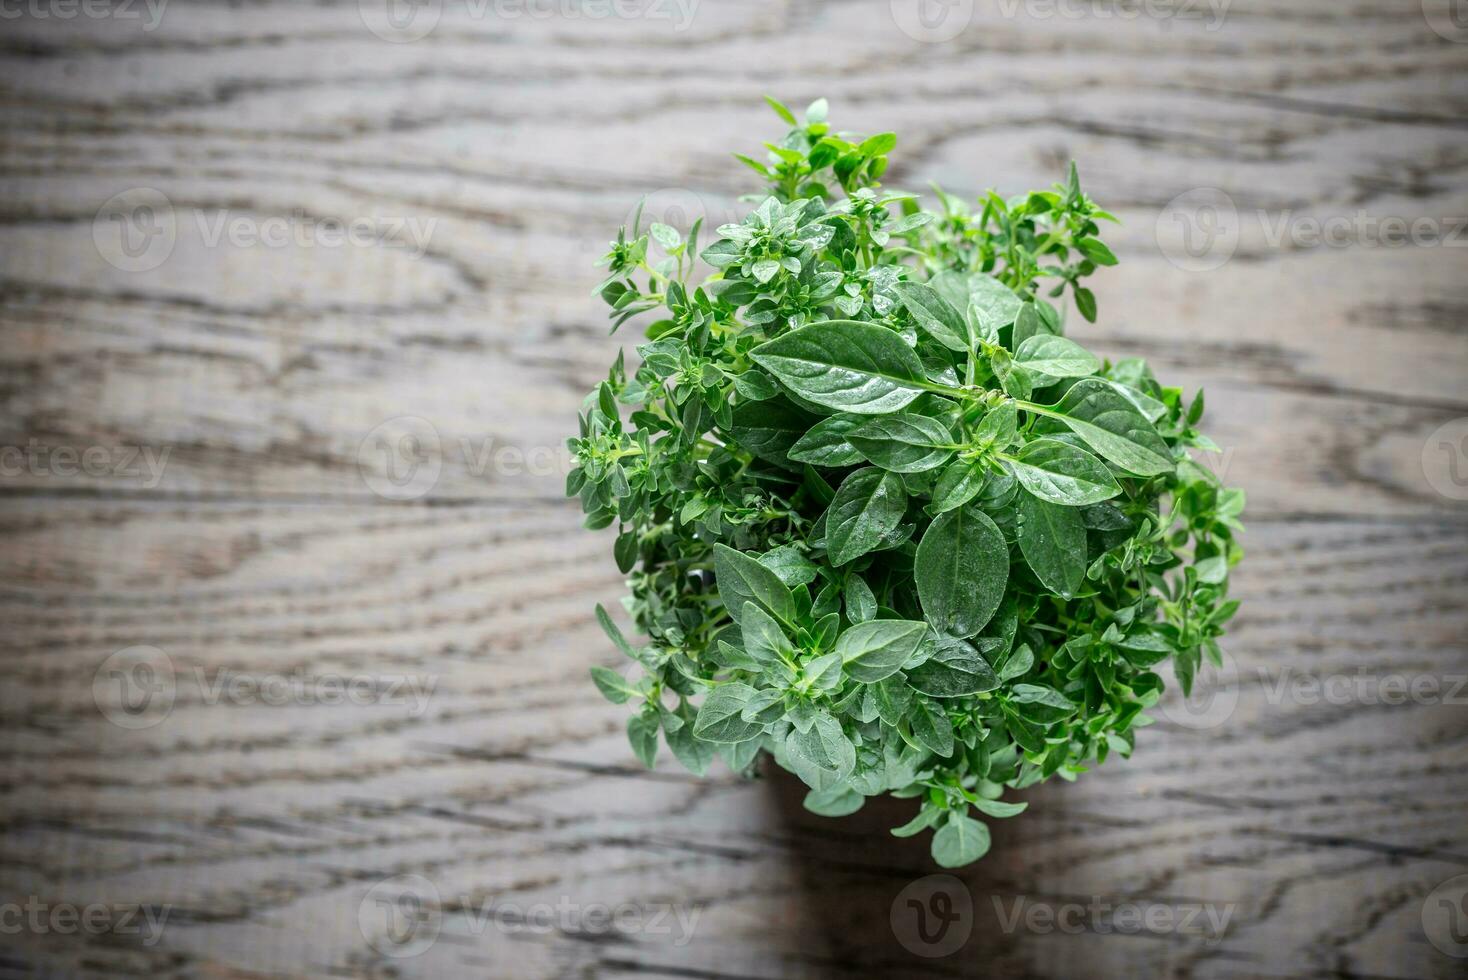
(275, 379)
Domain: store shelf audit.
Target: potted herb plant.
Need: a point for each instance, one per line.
(881, 519)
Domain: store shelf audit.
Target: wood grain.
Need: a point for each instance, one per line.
(268, 532)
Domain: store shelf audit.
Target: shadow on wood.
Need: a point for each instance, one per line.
(881, 905)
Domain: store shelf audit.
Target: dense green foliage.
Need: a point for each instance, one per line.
(880, 518)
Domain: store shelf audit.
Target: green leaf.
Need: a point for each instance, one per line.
(1062, 474)
(790, 563)
(769, 429)
(1029, 322)
(666, 235)
(998, 808)
(741, 579)
(780, 110)
(997, 429)
(962, 840)
(642, 732)
(925, 818)
(738, 756)
(613, 686)
(1086, 303)
(931, 727)
(903, 443)
(824, 673)
(1041, 704)
(847, 365)
(764, 707)
(838, 801)
(875, 650)
(996, 301)
(826, 443)
(955, 669)
(1053, 540)
(822, 756)
(1056, 357)
(1018, 664)
(625, 551)
(961, 568)
(861, 605)
(934, 314)
(613, 632)
(1212, 571)
(893, 697)
(960, 483)
(764, 641)
(719, 716)
(694, 753)
(953, 287)
(1111, 425)
(875, 146)
(869, 505)
(1096, 250)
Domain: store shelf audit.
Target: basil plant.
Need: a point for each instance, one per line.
(881, 520)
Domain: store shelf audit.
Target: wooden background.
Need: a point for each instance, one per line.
(273, 546)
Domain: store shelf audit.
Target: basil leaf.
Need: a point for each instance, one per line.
(1041, 704)
(694, 753)
(934, 314)
(1063, 474)
(768, 429)
(613, 686)
(642, 732)
(848, 365)
(719, 716)
(961, 482)
(904, 443)
(788, 562)
(925, 819)
(741, 579)
(961, 568)
(962, 840)
(861, 604)
(838, 801)
(764, 641)
(1056, 357)
(1053, 540)
(998, 808)
(613, 632)
(1029, 322)
(875, 650)
(825, 444)
(1111, 425)
(997, 302)
(822, 756)
(868, 507)
(955, 669)
(931, 728)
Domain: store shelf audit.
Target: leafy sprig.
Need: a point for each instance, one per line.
(880, 518)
